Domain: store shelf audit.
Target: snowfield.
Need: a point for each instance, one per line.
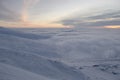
(60, 54)
(24, 59)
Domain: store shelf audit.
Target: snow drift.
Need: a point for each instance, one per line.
(24, 59)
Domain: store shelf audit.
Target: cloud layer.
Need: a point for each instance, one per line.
(44, 13)
(7, 14)
(107, 18)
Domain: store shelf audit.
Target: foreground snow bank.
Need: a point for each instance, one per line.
(8, 72)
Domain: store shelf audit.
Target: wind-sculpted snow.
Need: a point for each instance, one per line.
(8, 72)
(26, 50)
(16, 43)
(39, 65)
(26, 59)
(74, 44)
(89, 44)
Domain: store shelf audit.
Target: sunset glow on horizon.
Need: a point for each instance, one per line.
(59, 13)
(112, 27)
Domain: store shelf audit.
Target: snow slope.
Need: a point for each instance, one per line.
(86, 47)
(41, 66)
(8, 72)
(25, 59)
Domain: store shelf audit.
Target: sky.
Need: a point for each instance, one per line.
(60, 13)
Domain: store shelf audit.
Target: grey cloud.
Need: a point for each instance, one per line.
(6, 14)
(103, 19)
(106, 15)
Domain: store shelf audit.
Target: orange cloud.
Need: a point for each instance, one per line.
(114, 27)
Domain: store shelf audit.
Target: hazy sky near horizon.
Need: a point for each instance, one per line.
(59, 13)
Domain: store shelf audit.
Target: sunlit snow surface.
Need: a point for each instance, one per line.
(60, 54)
